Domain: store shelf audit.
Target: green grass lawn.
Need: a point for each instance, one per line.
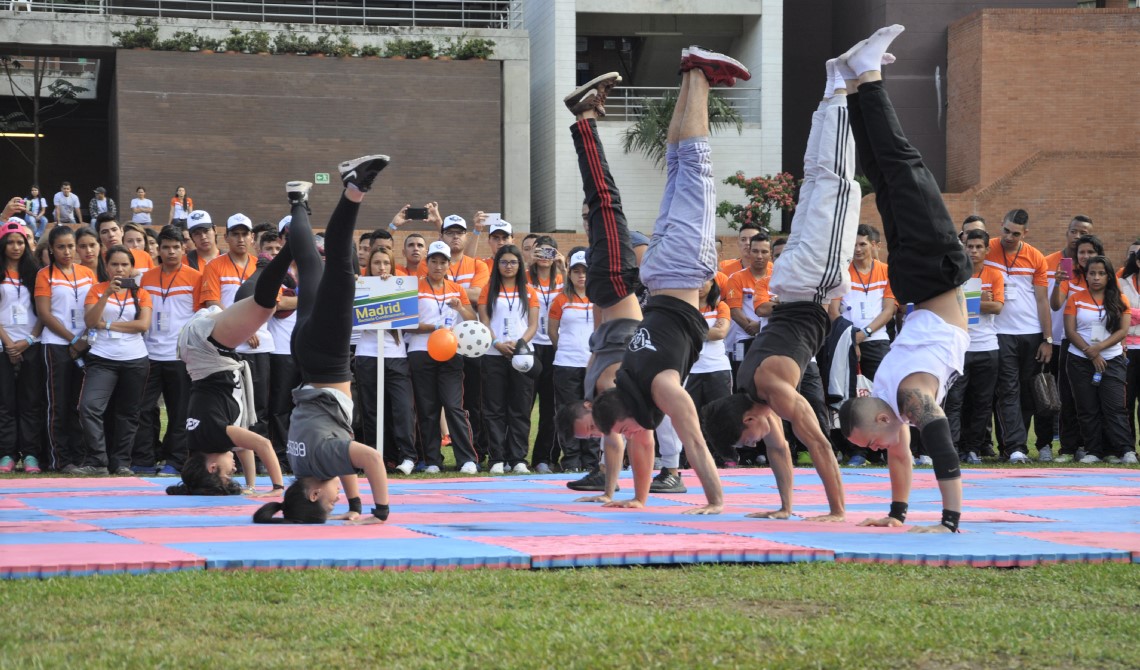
(790, 616)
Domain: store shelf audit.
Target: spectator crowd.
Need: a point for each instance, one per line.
(91, 308)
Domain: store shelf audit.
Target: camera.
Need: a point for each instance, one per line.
(416, 214)
(128, 282)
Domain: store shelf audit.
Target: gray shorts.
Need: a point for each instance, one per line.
(320, 433)
(607, 346)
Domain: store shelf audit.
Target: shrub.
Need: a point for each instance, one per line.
(765, 195)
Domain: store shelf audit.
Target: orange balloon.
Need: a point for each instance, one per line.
(442, 345)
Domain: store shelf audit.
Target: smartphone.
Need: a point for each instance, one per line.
(1067, 266)
(546, 253)
(416, 214)
(128, 282)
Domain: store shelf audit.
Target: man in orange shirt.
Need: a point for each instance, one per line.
(1025, 333)
(174, 290)
(414, 249)
(110, 234)
(200, 227)
(744, 237)
(1068, 426)
(739, 296)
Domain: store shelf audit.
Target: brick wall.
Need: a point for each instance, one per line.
(1042, 116)
(232, 128)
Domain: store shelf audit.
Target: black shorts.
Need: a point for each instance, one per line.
(933, 268)
(796, 330)
(212, 408)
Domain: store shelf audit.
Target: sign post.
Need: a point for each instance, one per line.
(380, 305)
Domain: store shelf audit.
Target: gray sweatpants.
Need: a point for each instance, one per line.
(685, 222)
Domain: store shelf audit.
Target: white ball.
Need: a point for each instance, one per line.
(474, 338)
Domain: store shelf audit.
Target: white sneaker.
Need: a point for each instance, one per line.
(406, 467)
(522, 469)
(1018, 457)
(924, 460)
(1129, 458)
(497, 469)
(432, 470)
(1045, 455)
(1090, 459)
(543, 469)
(1063, 458)
(1114, 460)
(469, 468)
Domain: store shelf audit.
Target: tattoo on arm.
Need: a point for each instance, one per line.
(919, 407)
(961, 295)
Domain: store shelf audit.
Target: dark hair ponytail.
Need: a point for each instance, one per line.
(295, 508)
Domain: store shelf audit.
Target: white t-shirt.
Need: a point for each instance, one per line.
(713, 356)
(141, 217)
(575, 325)
(1092, 323)
(510, 318)
(172, 304)
(68, 207)
(546, 297)
(366, 347)
(927, 344)
(16, 307)
(106, 343)
(434, 311)
(68, 292)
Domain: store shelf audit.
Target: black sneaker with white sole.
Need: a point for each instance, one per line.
(667, 481)
(594, 481)
(360, 172)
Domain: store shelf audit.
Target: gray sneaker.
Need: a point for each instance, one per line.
(667, 481)
(124, 471)
(1129, 458)
(1045, 455)
(592, 94)
(91, 471)
(543, 469)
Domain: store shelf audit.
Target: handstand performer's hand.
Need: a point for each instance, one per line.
(632, 503)
(936, 528)
(363, 521)
(346, 516)
(827, 518)
(774, 514)
(707, 509)
(885, 522)
(254, 493)
(603, 498)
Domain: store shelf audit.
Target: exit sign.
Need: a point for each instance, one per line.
(321, 178)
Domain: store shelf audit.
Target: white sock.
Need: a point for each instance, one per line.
(834, 79)
(844, 70)
(869, 57)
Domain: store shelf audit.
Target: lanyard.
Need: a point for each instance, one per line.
(870, 274)
(15, 280)
(1005, 259)
(438, 302)
(240, 273)
(455, 274)
(545, 293)
(122, 305)
(1099, 307)
(510, 303)
(74, 281)
(166, 290)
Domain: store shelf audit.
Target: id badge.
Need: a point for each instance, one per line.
(1099, 334)
(1011, 295)
(863, 310)
(76, 318)
(738, 350)
(19, 315)
(161, 322)
(507, 328)
(542, 324)
(449, 320)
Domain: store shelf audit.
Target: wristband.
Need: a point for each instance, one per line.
(950, 520)
(76, 339)
(278, 487)
(30, 340)
(898, 511)
(380, 512)
(354, 505)
(393, 226)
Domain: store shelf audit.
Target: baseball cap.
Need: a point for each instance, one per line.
(439, 247)
(283, 224)
(452, 221)
(637, 239)
(578, 258)
(100, 189)
(199, 218)
(239, 219)
(500, 227)
(12, 225)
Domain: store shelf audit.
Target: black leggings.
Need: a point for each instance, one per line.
(325, 295)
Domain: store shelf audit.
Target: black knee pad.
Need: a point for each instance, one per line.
(940, 447)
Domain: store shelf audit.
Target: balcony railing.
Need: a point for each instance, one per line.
(626, 103)
(497, 14)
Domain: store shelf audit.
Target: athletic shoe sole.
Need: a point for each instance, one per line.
(360, 172)
(298, 191)
(718, 68)
(583, 94)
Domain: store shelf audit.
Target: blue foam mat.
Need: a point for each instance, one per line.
(428, 552)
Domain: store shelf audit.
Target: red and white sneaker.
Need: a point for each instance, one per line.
(719, 69)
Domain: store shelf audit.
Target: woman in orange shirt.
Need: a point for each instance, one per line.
(21, 363)
(180, 207)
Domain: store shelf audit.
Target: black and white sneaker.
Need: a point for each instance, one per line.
(298, 192)
(594, 481)
(667, 481)
(360, 172)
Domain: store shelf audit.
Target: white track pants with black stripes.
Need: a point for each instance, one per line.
(814, 264)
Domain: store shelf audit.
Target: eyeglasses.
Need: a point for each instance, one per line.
(508, 264)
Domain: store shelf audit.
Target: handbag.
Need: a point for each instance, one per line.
(1046, 396)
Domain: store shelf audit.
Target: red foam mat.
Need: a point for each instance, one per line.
(48, 560)
(268, 532)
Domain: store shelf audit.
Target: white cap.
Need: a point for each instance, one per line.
(579, 258)
(238, 219)
(284, 223)
(199, 218)
(439, 247)
(499, 227)
(454, 220)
